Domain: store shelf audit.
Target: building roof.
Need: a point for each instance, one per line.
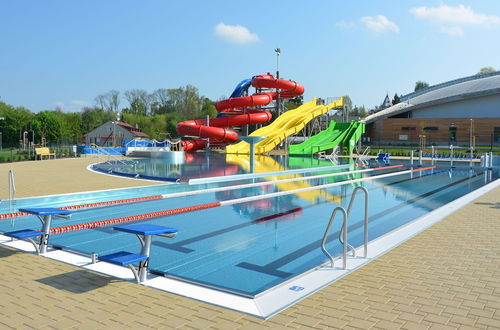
(137, 132)
(454, 90)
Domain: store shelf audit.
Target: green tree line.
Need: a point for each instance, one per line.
(156, 114)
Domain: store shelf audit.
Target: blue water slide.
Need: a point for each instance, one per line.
(241, 87)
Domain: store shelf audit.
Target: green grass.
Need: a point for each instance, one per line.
(405, 151)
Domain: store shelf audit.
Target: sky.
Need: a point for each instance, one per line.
(65, 53)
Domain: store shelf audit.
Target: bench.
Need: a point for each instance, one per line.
(144, 233)
(45, 216)
(44, 152)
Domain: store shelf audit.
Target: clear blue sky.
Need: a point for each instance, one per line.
(67, 52)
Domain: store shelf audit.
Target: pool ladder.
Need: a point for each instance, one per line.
(343, 231)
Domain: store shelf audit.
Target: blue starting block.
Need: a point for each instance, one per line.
(45, 215)
(383, 157)
(144, 233)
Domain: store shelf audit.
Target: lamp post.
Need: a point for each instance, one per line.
(1, 135)
(278, 101)
(114, 133)
(278, 52)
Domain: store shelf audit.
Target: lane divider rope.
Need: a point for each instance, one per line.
(89, 205)
(196, 192)
(187, 209)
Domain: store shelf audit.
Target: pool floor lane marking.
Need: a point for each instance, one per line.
(181, 245)
(187, 209)
(196, 192)
(272, 268)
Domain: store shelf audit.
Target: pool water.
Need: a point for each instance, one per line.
(202, 165)
(250, 247)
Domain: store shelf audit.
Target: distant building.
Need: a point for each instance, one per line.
(451, 113)
(387, 102)
(113, 133)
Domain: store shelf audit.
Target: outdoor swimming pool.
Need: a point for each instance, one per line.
(250, 247)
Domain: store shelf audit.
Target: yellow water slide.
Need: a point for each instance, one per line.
(289, 123)
(265, 164)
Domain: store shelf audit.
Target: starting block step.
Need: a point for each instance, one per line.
(123, 258)
(24, 233)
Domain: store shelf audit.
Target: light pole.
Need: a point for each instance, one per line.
(278, 52)
(278, 101)
(1, 135)
(114, 133)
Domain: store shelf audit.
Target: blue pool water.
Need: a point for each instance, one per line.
(248, 248)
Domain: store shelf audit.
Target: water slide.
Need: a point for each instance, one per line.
(289, 123)
(232, 114)
(343, 134)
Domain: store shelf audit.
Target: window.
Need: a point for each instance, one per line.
(452, 135)
(408, 128)
(496, 134)
(430, 128)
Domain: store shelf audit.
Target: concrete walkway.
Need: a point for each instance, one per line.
(60, 176)
(447, 277)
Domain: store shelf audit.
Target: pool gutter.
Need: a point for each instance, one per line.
(275, 300)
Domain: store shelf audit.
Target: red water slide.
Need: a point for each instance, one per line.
(234, 116)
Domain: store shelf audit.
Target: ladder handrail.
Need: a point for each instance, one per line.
(12, 186)
(325, 236)
(343, 231)
(349, 208)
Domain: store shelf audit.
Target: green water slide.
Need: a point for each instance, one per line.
(354, 132)
(344, 134)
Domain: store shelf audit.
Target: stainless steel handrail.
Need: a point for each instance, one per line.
(349, 208)
(12, 186)
(325, 237)
(343, 231)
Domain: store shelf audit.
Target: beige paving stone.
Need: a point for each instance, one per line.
(428, 281)
(489, 322)
(414, 326)
(362, 324)
(433, 318)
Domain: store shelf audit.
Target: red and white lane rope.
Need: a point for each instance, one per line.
(196, 192)
(88, 205)
(187, 209)
(267, 183)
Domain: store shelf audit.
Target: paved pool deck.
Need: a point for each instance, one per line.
(447, 277)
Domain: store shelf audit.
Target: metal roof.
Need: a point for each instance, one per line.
(455, 90)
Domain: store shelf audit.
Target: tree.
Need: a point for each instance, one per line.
(113, 98)
(160, 101)
(295, 102)
(138, 100)
(420, 85)
(15, 122)
(208, 108)
(94, 117)
(100, 101)
(358, 111)
(48, 125)
(396, 99)
(485, 70)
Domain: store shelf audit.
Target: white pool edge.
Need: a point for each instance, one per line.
(277, 299)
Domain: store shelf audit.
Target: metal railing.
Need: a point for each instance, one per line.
(343, 231)
(332, 157)
(12, 186)
(110, 157)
